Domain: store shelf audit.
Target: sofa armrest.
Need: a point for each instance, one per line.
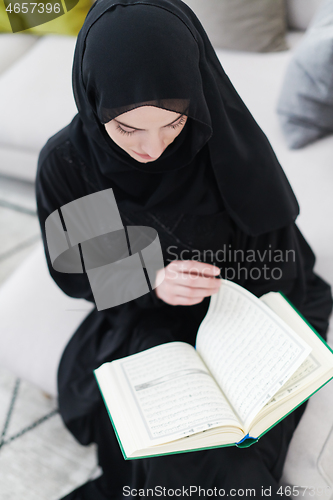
(37, 321)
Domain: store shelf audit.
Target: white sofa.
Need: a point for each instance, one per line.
(36, 98)
(35, 102)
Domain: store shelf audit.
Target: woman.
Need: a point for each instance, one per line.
(160, 123)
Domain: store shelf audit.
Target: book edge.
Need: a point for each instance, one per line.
(307, 322)
(295, 407)
(113, 425)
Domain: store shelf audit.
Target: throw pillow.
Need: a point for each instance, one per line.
(301, 12)
(246, 25)
(305, 105)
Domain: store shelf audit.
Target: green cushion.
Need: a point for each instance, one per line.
(62, 23)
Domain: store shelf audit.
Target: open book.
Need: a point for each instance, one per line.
(255, 361)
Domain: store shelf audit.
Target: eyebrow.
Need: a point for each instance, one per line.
(134, 128)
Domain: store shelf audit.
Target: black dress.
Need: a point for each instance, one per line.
(148, 321)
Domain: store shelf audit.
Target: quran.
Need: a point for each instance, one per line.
(254, 362)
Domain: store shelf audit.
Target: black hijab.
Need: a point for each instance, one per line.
(132, 53)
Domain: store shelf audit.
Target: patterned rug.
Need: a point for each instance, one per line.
(39, 459)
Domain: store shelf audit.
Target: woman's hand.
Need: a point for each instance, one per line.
(187, 282)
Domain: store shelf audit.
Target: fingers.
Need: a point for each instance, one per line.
(194, 292)
(188, 282)
(196, 275)
(194, 268)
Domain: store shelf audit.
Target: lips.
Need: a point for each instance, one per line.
(145, 157)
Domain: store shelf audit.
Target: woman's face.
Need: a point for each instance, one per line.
(145, 132)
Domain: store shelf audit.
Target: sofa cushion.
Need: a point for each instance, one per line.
(309, 462)
(19, 163)
(255, 26)
(300, 13)
(305, 105)
(37, 321)
(36, 92)
(13, 47)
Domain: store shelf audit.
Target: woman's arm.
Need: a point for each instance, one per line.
(57, 184)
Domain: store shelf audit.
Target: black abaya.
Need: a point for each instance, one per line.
(148, 321)
(217, 187)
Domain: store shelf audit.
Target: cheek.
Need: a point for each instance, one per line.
(123, 141)
(172, 134)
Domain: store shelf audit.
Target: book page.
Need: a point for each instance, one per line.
(174, 392)
(306, 380)
(307, 368)
(295, 383)
(249, 350)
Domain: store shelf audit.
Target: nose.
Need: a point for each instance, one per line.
(153, 145)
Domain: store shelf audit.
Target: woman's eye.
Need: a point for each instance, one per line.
(123, 131)
(178, 124)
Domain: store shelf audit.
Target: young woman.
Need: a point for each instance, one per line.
(160, 123)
